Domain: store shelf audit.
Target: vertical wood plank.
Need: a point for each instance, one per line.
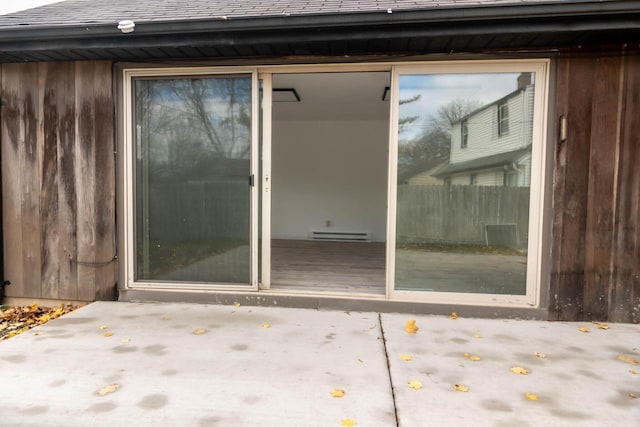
(556, 285)
(50, 89)
(67, 199)
(625, 292)
(85, 174)
(30, 169)
(574, 100)
(12, 135)
(104, 198)
(602, 187)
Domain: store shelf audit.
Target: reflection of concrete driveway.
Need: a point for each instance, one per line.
(455, 272)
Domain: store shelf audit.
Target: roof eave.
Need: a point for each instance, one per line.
(601, 21)
(557, 15)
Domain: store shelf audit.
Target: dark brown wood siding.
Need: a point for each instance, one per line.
(58, 180)
(58, 184)
(596, 230)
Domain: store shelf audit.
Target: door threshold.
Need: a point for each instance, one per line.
(321, 294)
(343, 302)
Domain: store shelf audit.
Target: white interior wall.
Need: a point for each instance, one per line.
(329, 170)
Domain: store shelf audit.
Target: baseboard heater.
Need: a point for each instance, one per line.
(340, 236)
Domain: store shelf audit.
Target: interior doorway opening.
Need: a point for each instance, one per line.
(329, 166)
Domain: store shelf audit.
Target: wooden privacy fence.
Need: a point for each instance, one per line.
(199, 211)
(459, 213)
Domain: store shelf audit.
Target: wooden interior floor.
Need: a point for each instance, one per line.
(351, 267)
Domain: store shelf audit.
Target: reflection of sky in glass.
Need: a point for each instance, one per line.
(437, 90)
(210, 113)
(215, 92)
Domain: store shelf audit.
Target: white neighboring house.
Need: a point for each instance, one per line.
(492, 145)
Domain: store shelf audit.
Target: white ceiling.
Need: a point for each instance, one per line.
(333, 96)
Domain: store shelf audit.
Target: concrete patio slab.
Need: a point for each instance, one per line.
(579, 382)
(237, 373)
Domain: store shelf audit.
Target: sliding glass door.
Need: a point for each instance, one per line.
(467, 175)
(193, 174)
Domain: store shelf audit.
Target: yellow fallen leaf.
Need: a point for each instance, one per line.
(108, 389)
(519, 370)
(472, 357)
(237, 304)
(531, 396)
(266, 325)
(583, 329)
(406, 357)
(199, 331)
(633, 395)
(338, 392)
(415, 384)
(166, 318)
(628, 359)
(477, 336)
(58, 311)
(347, 312)
(44, 318)
(126, 340)
(460, 387)
(411, 327)
(540, 355)
(633, 372)
(108, 334)
(348, 422)
(103, 327)
(601, 325)
(453, 315)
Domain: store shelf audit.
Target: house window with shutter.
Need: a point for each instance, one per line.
(464, 137)
(503, 119)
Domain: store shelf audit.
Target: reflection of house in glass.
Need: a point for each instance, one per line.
(492, 145)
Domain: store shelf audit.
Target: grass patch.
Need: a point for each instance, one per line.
(459, 248)
(165, 258)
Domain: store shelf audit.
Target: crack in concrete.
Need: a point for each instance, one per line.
(386, 355)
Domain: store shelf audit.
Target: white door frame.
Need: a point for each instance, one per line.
(264, 73)
(129, 184)
(536, 206)
(267, 86)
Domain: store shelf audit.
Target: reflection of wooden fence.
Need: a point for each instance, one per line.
(199, 211)
(459, 213)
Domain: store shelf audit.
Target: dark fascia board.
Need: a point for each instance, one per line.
(563, 12)
(570, 17)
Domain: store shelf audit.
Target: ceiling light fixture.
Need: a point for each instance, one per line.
(285, 95)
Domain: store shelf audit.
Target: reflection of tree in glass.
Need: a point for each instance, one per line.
(432, 146)
(184, 124)
(219, 110)
(403, 122)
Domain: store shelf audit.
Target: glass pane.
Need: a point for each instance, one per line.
(464, 171)
(192, 205)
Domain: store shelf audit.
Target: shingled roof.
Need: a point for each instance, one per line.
(91, 12)
(87, 29)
